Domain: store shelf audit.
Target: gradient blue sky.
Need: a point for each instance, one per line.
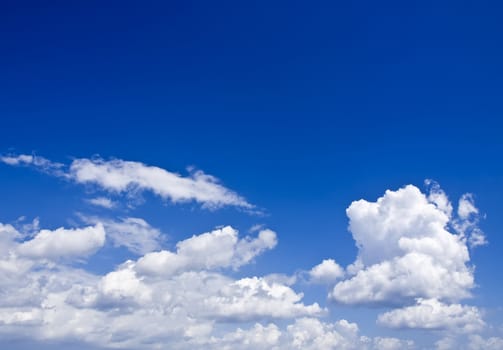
(301, 108)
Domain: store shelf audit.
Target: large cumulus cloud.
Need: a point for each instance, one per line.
(405, 251)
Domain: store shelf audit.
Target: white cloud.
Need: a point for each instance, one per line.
(466, 206)
(383, 343)
(124, 284)
(327, 272)
(491, 343)
(102, 202)
(305, 333)
(311, 333)
(219, 248)
(120, 176)
(432, 314)
(17, 160)
(405, 251)
(40, 163)
(466, 224)
(251, 298)
(64, 243)
(258, 337)
(137, 235)
(128, 309)
(125, 176)
(469, 342)
(438, 197)
(188, 298)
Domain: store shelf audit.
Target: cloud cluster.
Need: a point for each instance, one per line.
(148, 303)
(143, 303)
(413, 256)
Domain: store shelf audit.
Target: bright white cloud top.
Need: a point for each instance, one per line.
(405, 251)
(413, 259)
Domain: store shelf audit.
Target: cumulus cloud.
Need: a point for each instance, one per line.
(412, 254)
(433, 314)
(311, 333)
(120, 176)
(219, 248)
(405, 251)
(327, 272)
(128, 308)
(257, 337)
(64, 243)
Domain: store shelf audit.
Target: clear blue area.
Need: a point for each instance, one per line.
(301, 107)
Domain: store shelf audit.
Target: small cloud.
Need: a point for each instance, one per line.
(327, 272)
(102, 202)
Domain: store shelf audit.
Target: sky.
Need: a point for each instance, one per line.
(260, 175)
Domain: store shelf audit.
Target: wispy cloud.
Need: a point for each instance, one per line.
(120, 176)
(103, 202)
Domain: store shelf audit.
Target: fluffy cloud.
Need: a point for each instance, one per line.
(311, 333)
(127, 308)
(64, 243)
(193, 307)
(432, 314)
(405, 251)
(137, 235)
(120, 176)
(327, 272)
(256, 338)
(412, 254)
(210, 250)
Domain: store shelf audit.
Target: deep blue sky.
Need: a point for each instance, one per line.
(300, 107)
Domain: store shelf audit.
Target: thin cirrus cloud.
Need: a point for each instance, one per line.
(135, 234)
(102, 202)
(120, 176)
